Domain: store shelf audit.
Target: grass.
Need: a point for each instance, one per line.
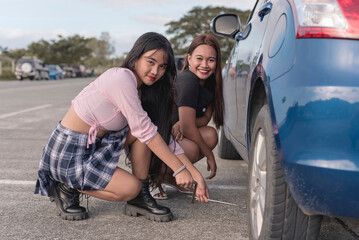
(7, 75)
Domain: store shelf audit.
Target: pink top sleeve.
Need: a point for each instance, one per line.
(175, 147)
(120, 87)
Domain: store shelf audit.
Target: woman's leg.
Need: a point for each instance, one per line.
(140, 159)
(193, 153)
(191, 149)
(123, 186)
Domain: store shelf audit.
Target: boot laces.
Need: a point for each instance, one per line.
(77, 197)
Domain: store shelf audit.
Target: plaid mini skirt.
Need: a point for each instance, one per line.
(67, 159)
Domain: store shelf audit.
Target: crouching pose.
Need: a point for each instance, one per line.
(199, 99)
(82, 153)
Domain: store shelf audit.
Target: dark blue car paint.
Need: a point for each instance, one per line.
(312, 89)
(316, 107)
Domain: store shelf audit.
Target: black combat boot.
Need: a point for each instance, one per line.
(67, 202)
(144, 204)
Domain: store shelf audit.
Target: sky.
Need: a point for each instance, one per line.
(23, 21)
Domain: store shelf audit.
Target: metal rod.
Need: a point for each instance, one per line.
(217, 201)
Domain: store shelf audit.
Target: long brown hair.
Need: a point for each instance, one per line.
(157, 99)
(218, 106)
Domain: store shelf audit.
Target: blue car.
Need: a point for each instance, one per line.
(55, 72)
(291, 92)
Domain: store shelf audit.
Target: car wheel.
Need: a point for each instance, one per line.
(26, 67)
(225, 148)
(272, 211)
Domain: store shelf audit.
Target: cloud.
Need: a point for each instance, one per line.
(122, 43)
(19, 38)
(126, 3)
(240, 4)
(154, 19)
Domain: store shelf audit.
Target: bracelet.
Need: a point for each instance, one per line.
(179, 170)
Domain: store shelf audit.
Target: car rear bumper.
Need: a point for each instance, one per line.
(315, 109)
(24, 75)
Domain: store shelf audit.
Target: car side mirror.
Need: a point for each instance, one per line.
(226, 25)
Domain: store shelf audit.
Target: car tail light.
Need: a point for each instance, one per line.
(327, 18)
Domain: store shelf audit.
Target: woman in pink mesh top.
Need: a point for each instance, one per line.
(127, 105)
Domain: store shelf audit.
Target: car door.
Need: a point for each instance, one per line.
(246, 56)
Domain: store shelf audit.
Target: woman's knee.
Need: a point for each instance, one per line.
(210, 136)
(130, 190)
(191, 150)
(124, 186)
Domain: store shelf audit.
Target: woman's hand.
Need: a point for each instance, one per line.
(202, 193)
(176, 132)
(184, 179)
(211, 166)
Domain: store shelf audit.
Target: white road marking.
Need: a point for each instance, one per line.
(17, 182)
(24, 111)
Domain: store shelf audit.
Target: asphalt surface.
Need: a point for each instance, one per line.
(30, 110)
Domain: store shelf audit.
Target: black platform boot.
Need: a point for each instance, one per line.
(144, 204)
(67, 202)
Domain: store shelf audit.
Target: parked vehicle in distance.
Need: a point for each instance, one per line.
(179, 61)
(80, 70)
(90, 72)
(67, 72)
(291, 92)
(32, 68)
(55, 72)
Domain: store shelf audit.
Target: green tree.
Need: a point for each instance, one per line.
(197, 21)
(101, 50)
(12, 54)
(71, 50)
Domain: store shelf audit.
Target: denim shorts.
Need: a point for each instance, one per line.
(67, 159)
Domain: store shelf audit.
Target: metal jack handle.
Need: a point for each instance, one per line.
(194, 191)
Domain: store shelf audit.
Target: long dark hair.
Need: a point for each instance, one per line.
(215, 82)
(157, 99)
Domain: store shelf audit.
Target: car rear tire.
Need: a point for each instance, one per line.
(225, 148)
(272, 211)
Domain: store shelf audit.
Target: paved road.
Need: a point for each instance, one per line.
(30, 110)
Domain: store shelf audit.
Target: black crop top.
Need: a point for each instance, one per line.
(191, 94)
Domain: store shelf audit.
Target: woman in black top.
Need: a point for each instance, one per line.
(199, 98)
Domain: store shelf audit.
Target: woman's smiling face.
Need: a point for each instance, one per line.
(202, 61)
(150, 67)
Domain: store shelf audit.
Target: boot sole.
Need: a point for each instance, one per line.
(61, 212)
(134, 211)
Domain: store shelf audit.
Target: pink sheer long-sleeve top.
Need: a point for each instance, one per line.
(111, 102)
